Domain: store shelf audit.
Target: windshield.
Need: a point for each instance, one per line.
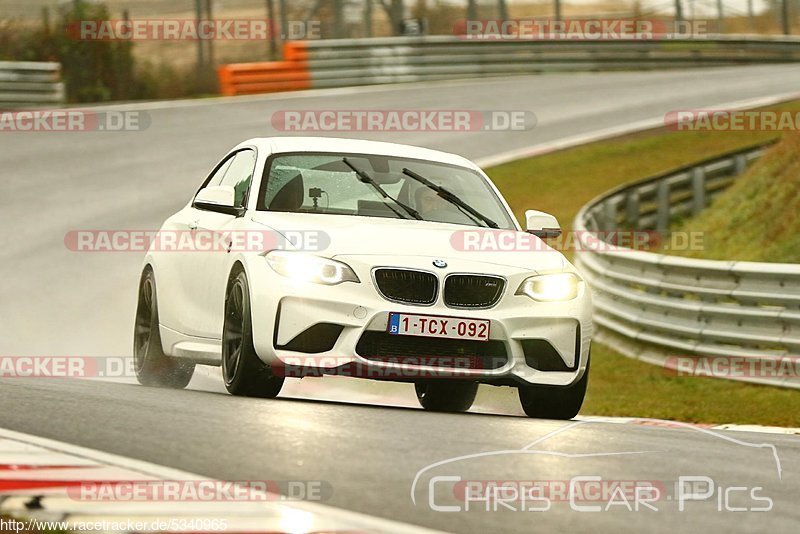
(329, 183)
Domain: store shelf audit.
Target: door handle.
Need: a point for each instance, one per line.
(193, 225)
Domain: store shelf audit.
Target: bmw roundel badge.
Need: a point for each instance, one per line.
(440, 264)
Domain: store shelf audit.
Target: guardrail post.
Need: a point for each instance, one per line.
(610, 215)
(662, 202)
(739, 164)
(632, 209)
(592, 225)
(698, 190)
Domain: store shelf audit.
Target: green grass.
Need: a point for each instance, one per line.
(619, 386)
(560, 183)
(758, 217)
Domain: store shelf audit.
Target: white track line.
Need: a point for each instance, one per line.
(675, 424)
(271, 515)
(616, 131)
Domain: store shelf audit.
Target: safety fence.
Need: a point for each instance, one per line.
(30, 84)
(354, 62)
(733, 319)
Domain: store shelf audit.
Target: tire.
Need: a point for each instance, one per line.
(152, 366)
(554, 402)
(446, 395)
(244, 373)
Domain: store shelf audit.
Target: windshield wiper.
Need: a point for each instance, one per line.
(451, 197)
(367, 179)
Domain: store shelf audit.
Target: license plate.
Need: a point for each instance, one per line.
(406, 324)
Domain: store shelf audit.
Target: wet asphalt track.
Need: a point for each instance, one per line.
(55, 302)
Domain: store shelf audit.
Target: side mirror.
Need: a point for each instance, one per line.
(218, 198)
(542, 224)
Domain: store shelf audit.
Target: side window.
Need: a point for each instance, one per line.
(239, 174)
(216, 178)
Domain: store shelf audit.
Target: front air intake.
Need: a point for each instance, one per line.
(407, 286)
(473, 290)
(432, 352)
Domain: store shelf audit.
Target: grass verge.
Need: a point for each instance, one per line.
(560, 183)
(758, 217)
(622, 387)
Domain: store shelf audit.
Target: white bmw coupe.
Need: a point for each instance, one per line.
(310, 256)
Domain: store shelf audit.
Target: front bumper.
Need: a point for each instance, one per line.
(283, 310)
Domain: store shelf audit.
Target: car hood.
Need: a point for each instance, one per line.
(346, 236)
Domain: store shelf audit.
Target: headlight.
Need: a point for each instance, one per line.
(309, 268)
(552, 287)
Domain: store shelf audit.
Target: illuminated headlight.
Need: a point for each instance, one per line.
(302, 267)
(552, 287)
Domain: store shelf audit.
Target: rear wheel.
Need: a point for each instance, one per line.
(554, 402)
(152, 366)
(446, 395)
(244, 373)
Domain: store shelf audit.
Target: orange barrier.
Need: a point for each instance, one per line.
(291, 74)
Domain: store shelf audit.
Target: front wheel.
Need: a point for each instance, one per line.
(152, 366)
(554, 402)
(244, 373)
(446, 395)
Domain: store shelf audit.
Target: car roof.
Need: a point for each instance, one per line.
(358, 146)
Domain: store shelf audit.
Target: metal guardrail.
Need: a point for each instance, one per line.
(352, 62)
(673, 306)
(30, 84)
